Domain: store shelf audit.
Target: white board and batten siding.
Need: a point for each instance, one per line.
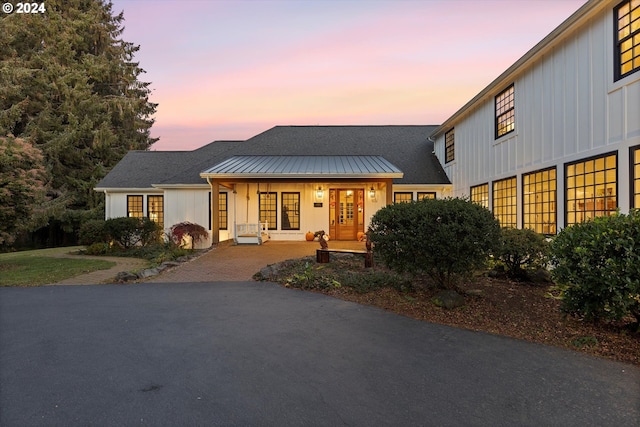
(567, 108)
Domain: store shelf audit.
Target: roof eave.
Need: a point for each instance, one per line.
(228, 176)
(579, 16)
(124, 189)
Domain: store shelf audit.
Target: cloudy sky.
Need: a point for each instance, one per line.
(230, 69)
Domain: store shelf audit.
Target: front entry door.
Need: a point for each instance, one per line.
(348, 213)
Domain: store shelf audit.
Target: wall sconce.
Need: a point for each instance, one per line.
(319, 193)
(372, 193)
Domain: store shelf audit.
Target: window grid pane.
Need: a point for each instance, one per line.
(134, 206)
(505, 112)
(426, 195)
(539, 201)
(591, 189)
(635, 176)
(627, 21)
(223, 213)
(402, 197)
(156, 209)
(268, 209)
(449, 146)
(504, 202)
(480, 195)
(290, 211)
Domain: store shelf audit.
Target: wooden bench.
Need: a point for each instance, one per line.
(322, 255)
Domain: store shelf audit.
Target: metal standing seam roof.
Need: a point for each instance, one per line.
(303, 167)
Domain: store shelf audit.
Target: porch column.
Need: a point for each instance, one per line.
(389, 195)
(215, 212)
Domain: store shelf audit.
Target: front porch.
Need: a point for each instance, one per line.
(297, 194)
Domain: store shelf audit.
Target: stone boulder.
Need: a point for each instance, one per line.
(448, 299)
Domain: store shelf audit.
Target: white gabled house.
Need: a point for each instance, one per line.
(555, 139)
(291, 179)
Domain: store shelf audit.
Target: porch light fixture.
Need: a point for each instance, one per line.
(372, 193)
(319, 193)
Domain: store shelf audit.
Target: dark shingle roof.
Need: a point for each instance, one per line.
(406, 147)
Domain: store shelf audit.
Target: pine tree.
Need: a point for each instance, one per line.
(69, 85)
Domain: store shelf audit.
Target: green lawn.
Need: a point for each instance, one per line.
(40, 267)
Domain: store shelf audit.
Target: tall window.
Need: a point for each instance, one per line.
(505, 112)
(134, 206)
(156, 209)
(290, 215)
(426, 195)
(504, 202)
(539, 201)
(223, 211)
(635, 177)
(402, 197)
(449, 146)
(269, 209)
(627, 24)
(591, 188)
(480, 195)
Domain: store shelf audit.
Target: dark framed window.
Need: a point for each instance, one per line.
(426, 195)
(155, 209)
(635, 177)
(223, 211)
(402, 197)
(627, 38)
(591, 188)
(505, 112)
(449, 146)
(539, 201)
(290, 215)
(268, 211)
(480, 195)
(134, 206)
(505, 206)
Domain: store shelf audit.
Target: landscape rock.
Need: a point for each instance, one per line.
(125, 276)
(448, 299)
(148, 273)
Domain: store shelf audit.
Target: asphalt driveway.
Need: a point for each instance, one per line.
(248, 353)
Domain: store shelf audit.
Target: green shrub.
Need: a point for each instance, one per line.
(98, 249)
(372, 279)
(522, 251)
(596, 265)
(93, 231)
(443, 238)
(128, 231)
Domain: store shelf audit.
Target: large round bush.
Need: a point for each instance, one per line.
(596, 265)
(443, 238)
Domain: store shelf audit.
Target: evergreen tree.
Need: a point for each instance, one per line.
(22, 177)
(69, 85)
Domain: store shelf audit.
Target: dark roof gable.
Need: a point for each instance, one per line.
(406, 147)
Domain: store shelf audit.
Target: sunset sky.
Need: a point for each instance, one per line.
(224, 70)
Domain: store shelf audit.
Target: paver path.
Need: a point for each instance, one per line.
(228, 262)
(102, 276)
